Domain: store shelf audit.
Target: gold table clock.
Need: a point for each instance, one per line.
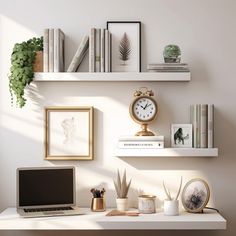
(143, 110)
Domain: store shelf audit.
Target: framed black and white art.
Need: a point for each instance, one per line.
(181, 135)
(125, 46)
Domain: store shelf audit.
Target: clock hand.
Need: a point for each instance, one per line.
(146, 106)
(149, 105)
(142, 107)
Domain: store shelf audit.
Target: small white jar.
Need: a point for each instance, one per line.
(171, 207)
(146, 204)
(122, 204)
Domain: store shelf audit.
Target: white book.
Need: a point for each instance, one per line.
(45, 50)
(80, 53)
(110, 52)
(198, 126)
(194, 124)
(102, 50)
(56, 65)
(210, 127)
(107, 58)
(142, 138)
(98, 51)
(92, 39)
(81, 58)
(203, 128)
(141, 144)
(51, 51)
(61, 51)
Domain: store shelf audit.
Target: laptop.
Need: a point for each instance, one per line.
(46, 191)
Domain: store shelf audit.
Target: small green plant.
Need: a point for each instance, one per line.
(172, 53)
(121, 186)
(21, 71)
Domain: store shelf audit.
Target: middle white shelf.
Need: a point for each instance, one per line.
(167, 152)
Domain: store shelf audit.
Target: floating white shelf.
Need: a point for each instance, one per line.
(167, 152)
(112, 77)
(210, 220)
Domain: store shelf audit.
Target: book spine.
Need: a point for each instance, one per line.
(81, 58)
(198, 125)
(102, 50)
(51, 50)
(45, 50)
(98, 51)
(110, 52)
(137, 145)
(56, 51)
(210, 121)
(106, 51)
(78, 55)
(92, 50)
(192, 122)
(203, 128)
(61, 51)
(141, 139)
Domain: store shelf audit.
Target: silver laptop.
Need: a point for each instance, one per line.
(46, 191)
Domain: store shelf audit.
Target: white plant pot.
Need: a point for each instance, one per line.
(122, 204)
(171, 207)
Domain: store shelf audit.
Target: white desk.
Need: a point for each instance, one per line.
(10, 220)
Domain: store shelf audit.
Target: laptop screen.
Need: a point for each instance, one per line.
(45, 186)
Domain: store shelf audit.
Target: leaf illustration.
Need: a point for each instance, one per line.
(124, 48)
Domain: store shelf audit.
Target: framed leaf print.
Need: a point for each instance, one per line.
(125, 46)
(69, 133)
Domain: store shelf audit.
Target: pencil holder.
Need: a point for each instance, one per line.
(98, 204)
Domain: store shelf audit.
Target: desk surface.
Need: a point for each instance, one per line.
(10, 220)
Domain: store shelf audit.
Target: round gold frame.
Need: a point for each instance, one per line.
(207, 198)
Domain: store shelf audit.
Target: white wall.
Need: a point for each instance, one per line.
(205, 31)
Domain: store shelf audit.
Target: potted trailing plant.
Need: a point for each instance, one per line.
(98, 202)
(171, 205)
(172, 53)
(24, 61)
(122, 189)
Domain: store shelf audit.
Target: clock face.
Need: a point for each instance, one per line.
(144, 109)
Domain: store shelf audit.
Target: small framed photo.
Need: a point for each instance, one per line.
(125, 45)
(181, 135)
(69, 133)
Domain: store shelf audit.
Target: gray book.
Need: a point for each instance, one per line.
(102, 50)
(107, 51)
(203, 127)
(51, 51)
(198, 125)
(98, 51)
(61, 51)
(80, 53)
(56, 65)
(45, 50)
(92, 39)
(210, 128)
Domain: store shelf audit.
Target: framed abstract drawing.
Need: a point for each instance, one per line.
(125, 45)
(69, 133)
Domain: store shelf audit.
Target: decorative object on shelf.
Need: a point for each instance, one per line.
(54, 46)
(69, 133)
(202, 119)
(122, 188)
(171, 205)
(195, 195)
(126, 45)
(143, 110)
(122, 213)
(147, 204)
(172, 53)
(181, 135)
(168, 67)
(23, 57)
(98, 201)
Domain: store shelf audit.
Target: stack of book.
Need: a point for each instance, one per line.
(202, 119)
(99, 50)
(53, 50)
(79, 55)
(168, 67)
(140, 142)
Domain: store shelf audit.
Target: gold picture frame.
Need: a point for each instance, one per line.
(69, 133)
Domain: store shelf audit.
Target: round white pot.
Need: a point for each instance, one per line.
(122, 204)
(171, 207)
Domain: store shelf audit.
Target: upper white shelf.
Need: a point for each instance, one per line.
(113, 77)
(210, 220)
(167, 152)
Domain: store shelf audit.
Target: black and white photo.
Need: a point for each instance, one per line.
(181, 135)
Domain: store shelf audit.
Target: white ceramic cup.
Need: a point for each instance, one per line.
(171, 207)
(122, 204)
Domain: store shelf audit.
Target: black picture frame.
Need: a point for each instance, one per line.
(140, 44)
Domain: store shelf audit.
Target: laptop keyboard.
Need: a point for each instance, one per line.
(49, 209)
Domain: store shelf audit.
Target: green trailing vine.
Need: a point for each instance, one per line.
(21, 71)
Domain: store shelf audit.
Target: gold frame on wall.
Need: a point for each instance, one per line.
(90, 132)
